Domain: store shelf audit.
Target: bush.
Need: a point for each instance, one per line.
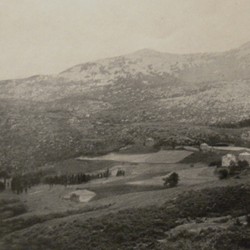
(172, 180)
(138, 228)
(10, 208)
(120, 172)
(222, 201)
(204, 157)
(234, 170)
(223, 174)
(215, 164)
(243, 164)
(248, 220)
(2, 186)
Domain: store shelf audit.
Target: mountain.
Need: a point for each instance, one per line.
(120, 99)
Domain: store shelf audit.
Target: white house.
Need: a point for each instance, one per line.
(204, 147)
(149, 142)
(245, 156)
(228, 159)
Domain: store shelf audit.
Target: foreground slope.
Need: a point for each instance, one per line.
(210, 218)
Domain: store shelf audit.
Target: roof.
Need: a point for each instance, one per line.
(229, 155)
(167, 175)
(245, 153)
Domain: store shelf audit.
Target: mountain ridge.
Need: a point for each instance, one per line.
(145, 51)
(121, 100)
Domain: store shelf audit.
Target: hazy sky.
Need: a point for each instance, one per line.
(48, 36)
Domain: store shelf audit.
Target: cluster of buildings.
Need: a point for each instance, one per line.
(230, 158)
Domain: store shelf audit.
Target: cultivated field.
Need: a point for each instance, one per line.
(140, 179)
(162, 156)
(138, 194)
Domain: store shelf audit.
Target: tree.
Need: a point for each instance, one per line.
(233, 168)
(172, 180)
(2, 186)
(223, 174)
(243, 164)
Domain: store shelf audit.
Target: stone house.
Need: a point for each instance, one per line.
(228, 160)
(245, 156)
(204, 147)
(149, 142)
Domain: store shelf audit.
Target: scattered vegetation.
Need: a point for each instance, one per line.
(243, 164)
(2, 186)
(204, 157)
(241, 124)
(75, 178)
(120, 172)
(233, 170)
(142, 228)
(19, 223)
(217, 163)
(172, 180)
(21, 183)
(215, 201)
(223, 173)
(11, 207)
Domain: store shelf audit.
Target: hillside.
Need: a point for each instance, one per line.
(99, 106)
(218, 220)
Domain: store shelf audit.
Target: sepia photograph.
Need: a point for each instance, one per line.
(124, 124)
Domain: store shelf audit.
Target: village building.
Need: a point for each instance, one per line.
(204, 147)
(149, 142)
(165, 177)
(114, 171)
(80, 195)
(117, 171)
(228, 160)
(245, 156)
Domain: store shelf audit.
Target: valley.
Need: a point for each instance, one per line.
(91, 151)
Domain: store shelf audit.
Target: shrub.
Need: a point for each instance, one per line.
(2, 186)
(172, 180)
(220, 200)
(223, 174)
(248, 220)
(243, 164)
(233, 170)
(215, 163)
(140, 228)
(120, 172)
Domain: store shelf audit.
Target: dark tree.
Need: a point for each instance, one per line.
(2, 186)
(223, 174)
(172, 180)
(243, 164)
